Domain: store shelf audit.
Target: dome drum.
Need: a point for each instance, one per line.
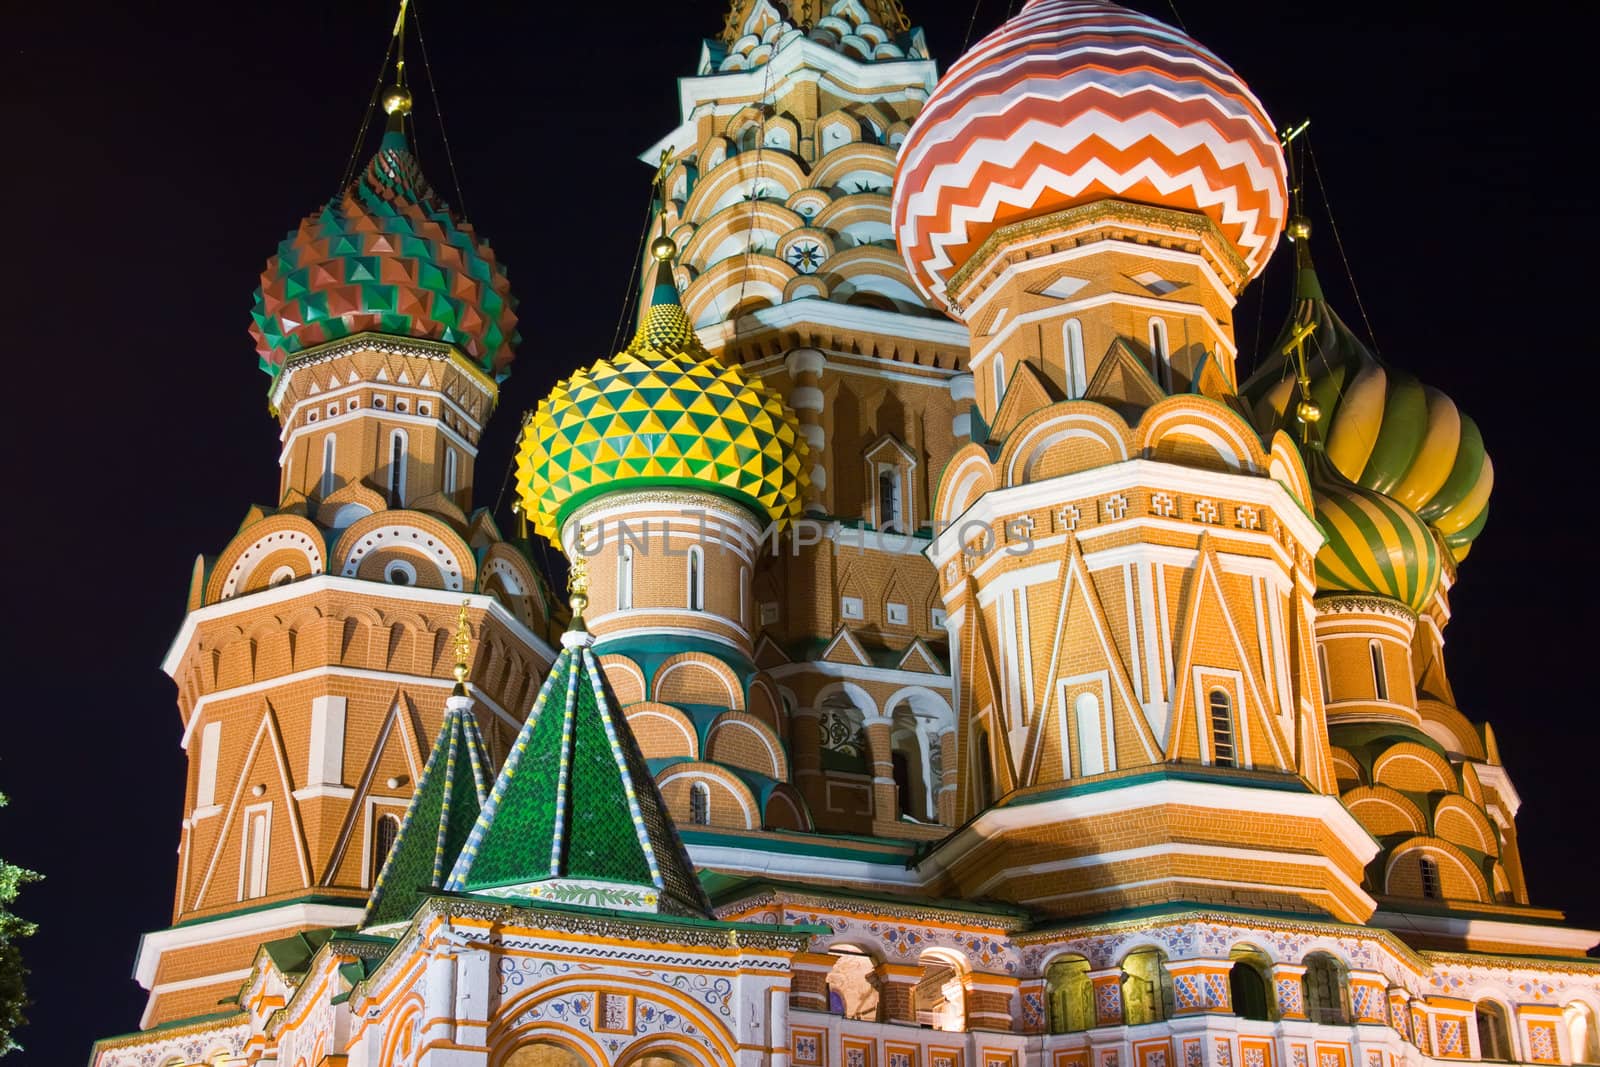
(1364, 659)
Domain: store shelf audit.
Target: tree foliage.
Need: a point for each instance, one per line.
(13, 997)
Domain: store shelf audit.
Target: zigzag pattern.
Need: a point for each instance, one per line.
(1073, 101)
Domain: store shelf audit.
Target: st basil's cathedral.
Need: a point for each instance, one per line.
(962, 664)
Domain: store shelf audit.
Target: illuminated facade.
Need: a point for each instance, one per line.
(964, 665)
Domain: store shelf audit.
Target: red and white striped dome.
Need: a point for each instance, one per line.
(1073, 101)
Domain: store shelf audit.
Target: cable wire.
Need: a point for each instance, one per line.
(349, 172)
(632, 291)
(972, 22)
(1327, 206)
(438, 113)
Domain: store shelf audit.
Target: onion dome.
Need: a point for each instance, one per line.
(663, 412)
(1382, 428)
(1375, 545)
(1073, 101)
(386, 255)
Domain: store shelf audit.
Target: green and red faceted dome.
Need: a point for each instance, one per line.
(389, 256)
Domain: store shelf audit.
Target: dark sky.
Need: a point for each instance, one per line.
(155, 153)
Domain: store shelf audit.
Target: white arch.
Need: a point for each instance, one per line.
(858, 696)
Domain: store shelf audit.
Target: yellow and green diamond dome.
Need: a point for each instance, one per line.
(661, 413)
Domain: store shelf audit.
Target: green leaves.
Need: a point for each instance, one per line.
(13, 997)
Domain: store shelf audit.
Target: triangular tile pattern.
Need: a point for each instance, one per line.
(450, 793)
(388, 256)
(575, 817)
(662, 412)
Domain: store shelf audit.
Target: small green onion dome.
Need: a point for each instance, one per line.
(1381, 428)
(661, 413)
(1376, 545)
(386, 255)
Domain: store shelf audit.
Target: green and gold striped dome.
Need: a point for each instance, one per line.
(1381, 427)
(662, 413)
(1376, 545)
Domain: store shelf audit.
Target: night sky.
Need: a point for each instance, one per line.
(154, 157)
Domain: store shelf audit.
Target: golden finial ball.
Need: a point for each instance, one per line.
(1308, 411)
(397, 100)
(1299, 228)
(663, 248)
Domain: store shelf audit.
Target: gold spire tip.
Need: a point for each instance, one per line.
(397, 98)
(578, 578)
(463, 644)
(663, 249)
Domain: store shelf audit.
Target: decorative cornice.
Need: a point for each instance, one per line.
(772, 895)
(1108, 212)
(384, 344)
(652, 931)
(1339, 604)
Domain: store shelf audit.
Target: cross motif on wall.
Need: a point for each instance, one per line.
(1117, 506)
(1163, 504)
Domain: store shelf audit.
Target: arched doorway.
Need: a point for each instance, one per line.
(1146, 987)
(1581, 1036)
(853, 985)
(940, 999)
(1247, 983)
(1326, 997)
(544, 1054)
(1071, 995)
(1494, 1034)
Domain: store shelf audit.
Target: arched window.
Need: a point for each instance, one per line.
(1428, 868)
(1091, 744)
(1581, 1036)
(385, 831)
(397, 468)
(697, 592)
(1146, 988)
(1247, 985)
(450, 471)
(997, 370)
(1158, 350)
(625, 577)
(1326, 999)
(256, 853)
(1071, 995)
(747, 138)
(985, 770)
(700, 804)
(327, 464)
(1072, 353)
(1322, 673)
(1494, 1036)
(909, 762)
(1221, 705)
(888, 498)
(1380, 677)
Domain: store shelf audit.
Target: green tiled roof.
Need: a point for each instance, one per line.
(443, 811)
(575, 817)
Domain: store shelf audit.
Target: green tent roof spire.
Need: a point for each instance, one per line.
(575, 817)
(443, 811)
